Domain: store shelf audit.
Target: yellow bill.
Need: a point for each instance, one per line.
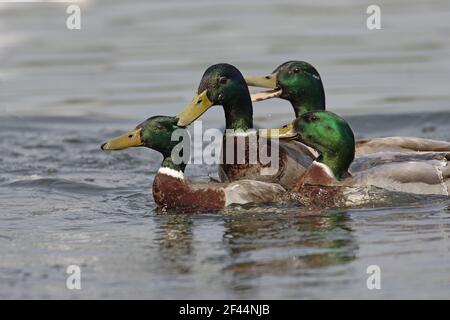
(127, 140)
(285, 132)
(269, 81)
(264, 95)
(198, 106)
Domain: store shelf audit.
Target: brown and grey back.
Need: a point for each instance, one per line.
(293, 159)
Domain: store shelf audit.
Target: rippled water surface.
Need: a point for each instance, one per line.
(64, 202)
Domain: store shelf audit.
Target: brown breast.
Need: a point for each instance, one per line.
(173, 193)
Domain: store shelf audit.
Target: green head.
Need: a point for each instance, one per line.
(331, 136)
(221, 84)
(295, 81)
(154, 133)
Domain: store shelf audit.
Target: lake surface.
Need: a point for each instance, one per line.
(65, 202)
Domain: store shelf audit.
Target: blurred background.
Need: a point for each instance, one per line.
(63, 201)
(137, 58)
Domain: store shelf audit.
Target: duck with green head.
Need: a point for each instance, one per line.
(326, 183)
(300, 83)
(171, 189)
(223, 84)
(332, 137)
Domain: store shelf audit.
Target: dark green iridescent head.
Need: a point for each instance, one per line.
(331, 136)
(295, 81)
(155, 133)
(221, 84)
(300, 83)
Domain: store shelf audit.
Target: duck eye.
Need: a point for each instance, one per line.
(130, 136)
(223, 80)
(297, 70)
(311, 118)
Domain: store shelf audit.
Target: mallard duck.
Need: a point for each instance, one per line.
(300, 83)
(223, 84)
(331, 178)
(172, 190)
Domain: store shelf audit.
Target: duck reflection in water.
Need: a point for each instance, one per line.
(247, 244)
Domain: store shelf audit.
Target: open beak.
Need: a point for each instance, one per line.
(198, 106)
(127, 140)
(269, 81)
(285, 132)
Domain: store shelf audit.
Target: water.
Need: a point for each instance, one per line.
(63, 201)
